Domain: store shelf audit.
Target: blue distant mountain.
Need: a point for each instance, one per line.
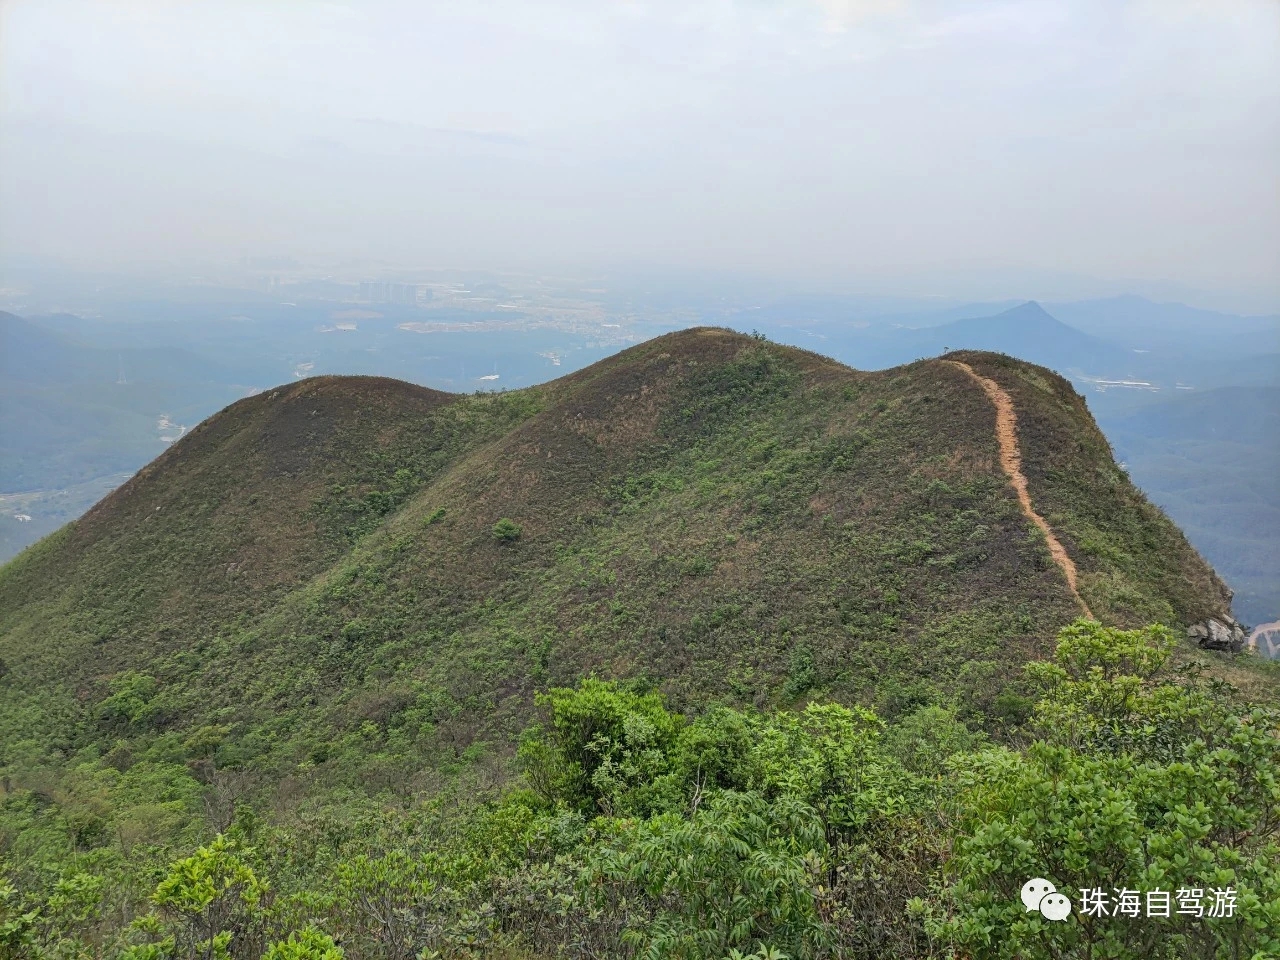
(33, 353)
(71, 413)
(1028, 332)
(1137, 322)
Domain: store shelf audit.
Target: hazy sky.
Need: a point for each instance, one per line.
(804, 139)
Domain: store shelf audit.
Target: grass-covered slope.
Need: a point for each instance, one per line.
(1135, 565)
(314, 586)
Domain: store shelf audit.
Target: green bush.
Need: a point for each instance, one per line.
(606, 749)
(741, 871)
(1138, 783)
(506, 530)
(308, 944)
(213, 899)
(818, 833)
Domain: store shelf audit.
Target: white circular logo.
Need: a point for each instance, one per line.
(1055, 906)
(1035, 890)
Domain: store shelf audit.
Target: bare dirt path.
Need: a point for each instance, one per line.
(1011, 460)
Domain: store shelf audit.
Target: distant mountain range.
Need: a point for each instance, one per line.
(35, 354)
(72, 414)
(1139, 323)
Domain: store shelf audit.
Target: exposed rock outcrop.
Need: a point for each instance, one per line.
(1218, 633)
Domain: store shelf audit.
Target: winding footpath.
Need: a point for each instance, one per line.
(1011, 461)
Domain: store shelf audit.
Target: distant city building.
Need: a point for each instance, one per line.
(379, 291)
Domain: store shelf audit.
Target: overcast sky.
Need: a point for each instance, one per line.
(795, 138)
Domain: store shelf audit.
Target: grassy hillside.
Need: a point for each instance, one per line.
(729, 518)
(353, 587)
(1135, 564)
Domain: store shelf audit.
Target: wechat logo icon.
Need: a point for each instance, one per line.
(1039, 894)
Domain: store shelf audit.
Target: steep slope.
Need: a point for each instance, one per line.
(312, 580)
(243, 509)
(1115, 536)
(1011, 463)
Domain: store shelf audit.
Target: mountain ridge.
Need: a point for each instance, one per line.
(699, 464)
(1011, 461)
(46, 353)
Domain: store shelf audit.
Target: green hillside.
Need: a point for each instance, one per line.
(341, 597)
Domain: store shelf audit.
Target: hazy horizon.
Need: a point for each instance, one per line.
(1037, 148)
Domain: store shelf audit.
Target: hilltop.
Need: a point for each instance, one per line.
(726, 518)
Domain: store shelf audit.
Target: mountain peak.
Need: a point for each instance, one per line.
(1029, 311)
(1031, 333)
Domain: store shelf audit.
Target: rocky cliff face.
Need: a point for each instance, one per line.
(1218, 633)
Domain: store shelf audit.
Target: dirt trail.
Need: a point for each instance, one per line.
(1011, 460)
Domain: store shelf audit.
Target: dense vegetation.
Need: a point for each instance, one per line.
(321, 677)
(810, 833)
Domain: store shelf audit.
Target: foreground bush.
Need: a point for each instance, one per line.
(814, 833)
